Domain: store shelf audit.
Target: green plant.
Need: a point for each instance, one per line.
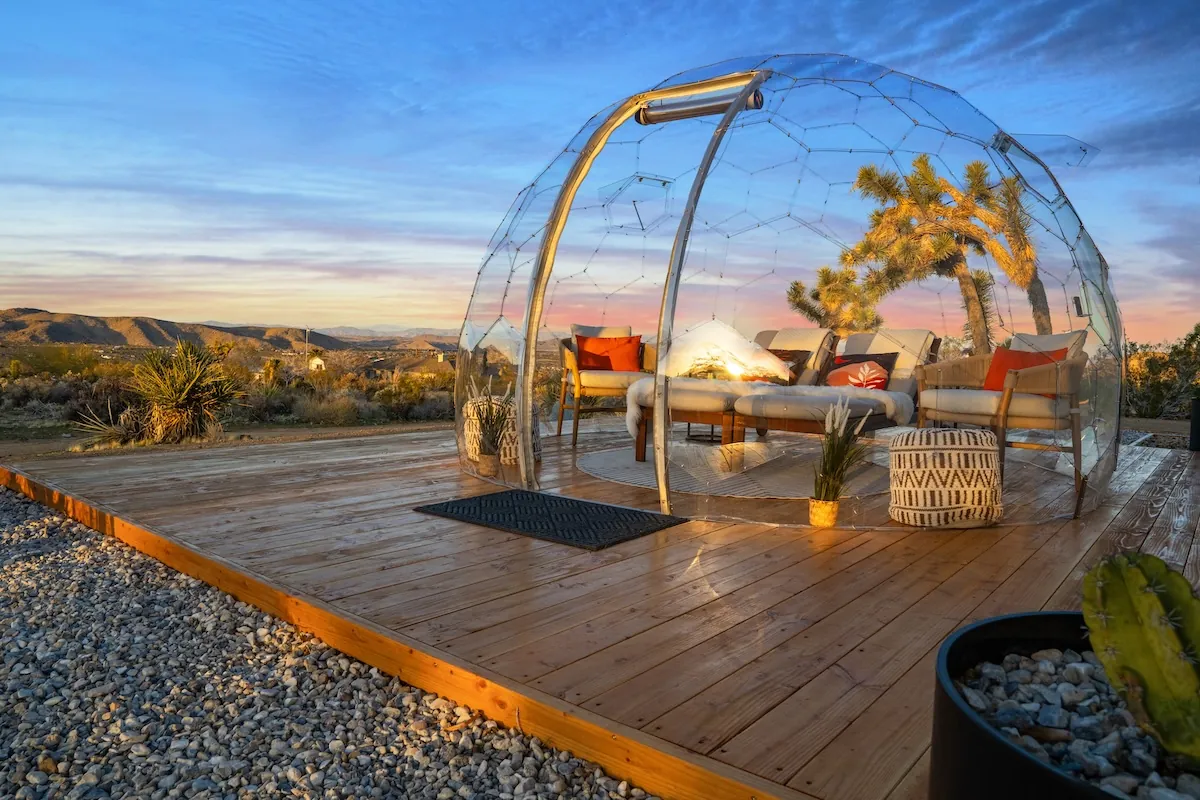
(493, 415)
(840, 451)
(185, 392)
(124, 428)
(1160, 380)
(1144, 623)
(337, 409)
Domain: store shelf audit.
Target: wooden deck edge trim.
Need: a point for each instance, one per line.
(658, 766)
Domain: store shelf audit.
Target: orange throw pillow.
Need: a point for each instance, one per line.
(1004, 359)
(612, 354)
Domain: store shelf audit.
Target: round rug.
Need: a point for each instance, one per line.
(769, 470)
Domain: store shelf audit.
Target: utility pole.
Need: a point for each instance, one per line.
(305, 348)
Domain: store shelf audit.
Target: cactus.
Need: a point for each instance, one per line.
(1144, 623)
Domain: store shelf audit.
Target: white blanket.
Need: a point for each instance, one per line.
(898, 406)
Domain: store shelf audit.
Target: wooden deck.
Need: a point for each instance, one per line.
(711, 660)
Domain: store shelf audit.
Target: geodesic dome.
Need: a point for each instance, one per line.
(701, 212)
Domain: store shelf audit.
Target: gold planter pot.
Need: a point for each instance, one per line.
(822, 513)
(489, 466)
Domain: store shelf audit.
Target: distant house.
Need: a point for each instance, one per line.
(316, 364)
(441, 351)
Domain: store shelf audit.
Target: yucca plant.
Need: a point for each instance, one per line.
(494, 414)
(185, 392)
(118, 429)
(841, 451)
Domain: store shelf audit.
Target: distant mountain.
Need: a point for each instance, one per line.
(34, 326)
(387, 331)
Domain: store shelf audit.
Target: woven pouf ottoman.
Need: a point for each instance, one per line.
(945, 478)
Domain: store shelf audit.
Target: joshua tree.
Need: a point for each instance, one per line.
(838, 301)
(927, 226)
(983, 286)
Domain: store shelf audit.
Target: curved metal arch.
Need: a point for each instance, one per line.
(666, 315)
(555, 224)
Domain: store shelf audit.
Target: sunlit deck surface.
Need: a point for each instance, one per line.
(784, 662)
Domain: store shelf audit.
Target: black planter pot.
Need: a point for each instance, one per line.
(970, 759)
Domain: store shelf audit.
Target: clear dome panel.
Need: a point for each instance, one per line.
(860, 236)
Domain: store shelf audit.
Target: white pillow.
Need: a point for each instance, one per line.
(1032, 343)
(603, 331)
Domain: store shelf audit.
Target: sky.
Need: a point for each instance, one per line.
(346, 163)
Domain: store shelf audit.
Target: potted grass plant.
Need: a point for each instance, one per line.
(493, 415)
(1076, 706)
(841, 451)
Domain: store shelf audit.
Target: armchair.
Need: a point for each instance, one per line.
(578, 385)
(1044, 397)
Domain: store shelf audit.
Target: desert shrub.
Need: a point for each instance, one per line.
(1160, 380)
(185, 393)
(327, 410)
(61, 359)
(266, 401)
(547, 388)
(15, 369)
(63, 392)
(433, 406)
(41, 410)
(399, 397)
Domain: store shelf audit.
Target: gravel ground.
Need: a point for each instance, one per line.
(122, 678)
(1059, 706)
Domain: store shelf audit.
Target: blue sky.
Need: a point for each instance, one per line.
(345, 163)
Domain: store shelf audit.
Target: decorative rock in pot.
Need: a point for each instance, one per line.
(1023, 707)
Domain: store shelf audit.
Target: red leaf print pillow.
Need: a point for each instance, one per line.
(867, 371)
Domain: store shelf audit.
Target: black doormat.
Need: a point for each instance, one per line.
(592, 526)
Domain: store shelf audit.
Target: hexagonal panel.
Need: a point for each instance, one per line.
(637, 204)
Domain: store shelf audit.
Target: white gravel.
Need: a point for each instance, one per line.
(122, 678)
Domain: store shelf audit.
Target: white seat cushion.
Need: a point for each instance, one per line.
(608, 379)
(699, 400)
(986, 403)
(813, 407)
(1032, 343)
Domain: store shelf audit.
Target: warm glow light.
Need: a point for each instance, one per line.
(735, 369)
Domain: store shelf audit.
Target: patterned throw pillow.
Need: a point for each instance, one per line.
(869, 371)
(796, 360)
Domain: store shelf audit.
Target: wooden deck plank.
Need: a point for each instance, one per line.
(751, 660)
(1170, 538)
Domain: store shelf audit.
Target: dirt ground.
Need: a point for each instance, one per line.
(235, 436)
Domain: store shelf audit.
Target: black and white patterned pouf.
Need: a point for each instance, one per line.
(945, 478)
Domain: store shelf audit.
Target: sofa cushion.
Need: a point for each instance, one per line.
(980, 402)
(911, 344)
(1031, 342)
(815, 340)
(606, 331)
(813, 407)
(608, 379)
(796, 361)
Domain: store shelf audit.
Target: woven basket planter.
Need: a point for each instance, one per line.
(509, 445)
(945, 478)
